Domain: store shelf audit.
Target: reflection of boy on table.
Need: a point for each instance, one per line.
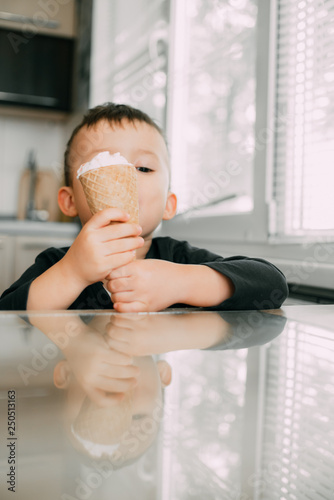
(166, 272)
(114, 402)
(141, 335)
(113, 387)
(123, 430)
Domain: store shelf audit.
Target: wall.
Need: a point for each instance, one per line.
(17, 136)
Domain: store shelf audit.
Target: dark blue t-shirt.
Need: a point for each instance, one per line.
(258, 284)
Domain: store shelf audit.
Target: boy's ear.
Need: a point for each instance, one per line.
(61, 375)
(66, 201)
(171, 206)
(165, 372)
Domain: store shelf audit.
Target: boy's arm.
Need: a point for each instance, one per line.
(234, 283)
(201, 286)
(153, 285)
(55, 284)
(16, 296)
(56, 288)
(99, 248)
(258, 284)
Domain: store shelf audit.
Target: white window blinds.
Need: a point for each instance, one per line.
(304, 132)
(129, 54)
(212, 104)
(297, 451)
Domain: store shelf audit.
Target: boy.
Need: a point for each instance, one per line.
(121, 265)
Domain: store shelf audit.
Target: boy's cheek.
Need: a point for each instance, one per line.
(84, 212)
(151, 193)
(85, 218)
(81, 202)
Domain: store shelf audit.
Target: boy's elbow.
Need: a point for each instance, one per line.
(286, 289)
(278, 293)
(282, 286)
(281, 294)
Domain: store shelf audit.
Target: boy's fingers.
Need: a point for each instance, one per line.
(120, 358)
(117, 231)
(122, 385)
(120, 285)
(120, 272)
(121, 259)
(130, 307)
(125, 323)
(119, 345)
(123, 245)
(107, 215)
(119, 334)
(117, 323)
(116, 384)
(105, 398)
(122, 297)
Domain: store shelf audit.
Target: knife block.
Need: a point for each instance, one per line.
(46, 193)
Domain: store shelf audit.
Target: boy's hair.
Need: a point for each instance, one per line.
(113, 114)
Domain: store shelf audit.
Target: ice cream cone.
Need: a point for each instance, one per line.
(100, 425)
(112, 186)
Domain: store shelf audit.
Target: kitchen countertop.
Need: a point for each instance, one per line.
(247, 411)
(16, 227)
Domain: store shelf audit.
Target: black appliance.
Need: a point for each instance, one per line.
(36, 72)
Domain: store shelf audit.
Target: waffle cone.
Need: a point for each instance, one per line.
(112, 186)
(103, 425)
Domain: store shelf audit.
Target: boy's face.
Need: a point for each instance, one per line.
(140, 144)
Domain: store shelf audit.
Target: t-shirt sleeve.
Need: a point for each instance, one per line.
(16, 296)
(258, 284)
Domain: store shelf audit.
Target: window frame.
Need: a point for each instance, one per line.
(304, 260)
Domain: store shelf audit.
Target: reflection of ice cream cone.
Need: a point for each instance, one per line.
(114, 432)
(99, 425)
(110, 181)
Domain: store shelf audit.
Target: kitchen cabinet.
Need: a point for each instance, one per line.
(18, 252)
(27, 248)
(51, 18)
(6, 261)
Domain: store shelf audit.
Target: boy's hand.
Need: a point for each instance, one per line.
(145, 285)
(100, 247)
(104, 373)
(153, 285)
(148, 334)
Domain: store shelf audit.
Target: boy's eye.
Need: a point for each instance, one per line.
(144, 169)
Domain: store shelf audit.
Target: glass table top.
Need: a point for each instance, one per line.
(177, 405)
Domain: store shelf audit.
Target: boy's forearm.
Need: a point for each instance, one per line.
(202, 286)
(56, 288)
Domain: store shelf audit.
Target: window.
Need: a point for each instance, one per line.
(212, 105)
(213, 111)
(129, 63)
(304, 134)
